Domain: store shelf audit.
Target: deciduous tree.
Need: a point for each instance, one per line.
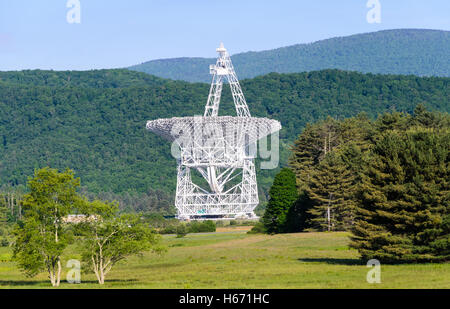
(109, 238)
(40, 236)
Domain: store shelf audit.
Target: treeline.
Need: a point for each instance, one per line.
(114, 78)
(94, 121)
(387, 181)
(11, 203)
(153, 201)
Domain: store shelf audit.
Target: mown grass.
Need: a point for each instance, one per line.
(238, 260)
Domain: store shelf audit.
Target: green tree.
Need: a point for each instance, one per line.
(40, 237)
(423, 117)
(283, 195)
(109, 238)
(181, 230)
(3, 223)
(330, 188)
(12, 197)
(404, 199)
(298, 217)
(320, 142)
(3, 213)
(312, 146)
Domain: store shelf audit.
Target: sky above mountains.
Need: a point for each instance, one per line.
(46, 34)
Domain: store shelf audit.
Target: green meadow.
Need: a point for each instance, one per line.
(239, 260)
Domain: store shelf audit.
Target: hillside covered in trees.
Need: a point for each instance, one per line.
(94, 121)
(402, 51)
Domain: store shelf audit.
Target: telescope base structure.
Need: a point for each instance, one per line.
(246, 217)
(194, 203)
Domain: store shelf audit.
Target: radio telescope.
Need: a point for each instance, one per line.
(215, 154)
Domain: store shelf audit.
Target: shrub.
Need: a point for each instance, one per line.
(170, 229)
(181, 230)
(202, 226)
(259, 228)
(221, 223)
(4, 242)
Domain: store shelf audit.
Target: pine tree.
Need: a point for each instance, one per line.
(331, 190)
(283, 195)
(312, 146)
(393, 121)
(349, 137)
(428, 119)
(404, 199)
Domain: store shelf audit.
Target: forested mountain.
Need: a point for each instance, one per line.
(403, 51)
(94, 122)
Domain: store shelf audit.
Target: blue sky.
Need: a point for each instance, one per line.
(113, 33)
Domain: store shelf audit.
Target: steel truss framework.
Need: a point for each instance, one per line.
(221, 149)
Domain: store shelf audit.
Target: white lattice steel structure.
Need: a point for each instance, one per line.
(220, 149)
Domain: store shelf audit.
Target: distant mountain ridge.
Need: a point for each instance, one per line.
(419, 52)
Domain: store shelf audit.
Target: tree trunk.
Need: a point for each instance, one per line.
(57, 274)
(95, 268)
(54, 274)
(11, 205)
(328, 218)
(52, 278)
(58, 278)
(97, 265)
(102, 274)
(329, 212)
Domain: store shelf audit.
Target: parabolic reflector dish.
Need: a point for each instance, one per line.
(239, 131)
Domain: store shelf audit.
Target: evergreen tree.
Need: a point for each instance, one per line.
(393, 121)
(283, 194)
(298, 217)
(312, 146)
(404, 199)
(428, 119)
(331, 190)
(349, 137)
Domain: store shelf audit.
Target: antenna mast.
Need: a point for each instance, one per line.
(223, 69)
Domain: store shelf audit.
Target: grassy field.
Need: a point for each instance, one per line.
(237, 260)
